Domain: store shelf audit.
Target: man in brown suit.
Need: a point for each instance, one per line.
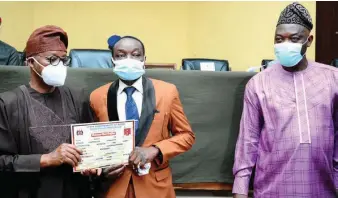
(157, 108)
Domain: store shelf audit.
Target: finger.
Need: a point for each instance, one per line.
(133, 163)
(137, 161)
(99, 171)
(93, 171)
(75, 157)
(75, 153)
(73, 147)
(71, 157)
(84, 172)
(132, 157)
(133, 154)
(88, 172)
(69, 161)
(116, 172)
(114, 167)
(129, 166)
(143, 160)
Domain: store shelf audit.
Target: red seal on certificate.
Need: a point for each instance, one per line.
(79, 132)
(127, 132)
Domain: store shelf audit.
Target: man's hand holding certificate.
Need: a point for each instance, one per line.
(103, 144)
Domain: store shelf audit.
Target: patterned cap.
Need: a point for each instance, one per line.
(46, 38)
(296, 13)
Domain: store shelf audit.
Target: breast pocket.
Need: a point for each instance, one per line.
(159, 126)
(165, 126)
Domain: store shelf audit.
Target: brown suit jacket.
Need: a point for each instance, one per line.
(162, 112)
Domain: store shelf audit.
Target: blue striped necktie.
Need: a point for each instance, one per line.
(131, 108)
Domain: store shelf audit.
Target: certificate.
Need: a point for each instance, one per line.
(103, 144)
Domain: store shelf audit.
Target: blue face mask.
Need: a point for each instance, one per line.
(289, 54)
(129, 69)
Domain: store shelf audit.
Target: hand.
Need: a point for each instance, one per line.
(141, 156)
(240, 196)
(65, 153)
(114, 171)
(89, 172)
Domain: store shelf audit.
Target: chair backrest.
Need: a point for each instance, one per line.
(91, 58)
(22, 56)
(204, 64)
(335, 62)
(265, 63)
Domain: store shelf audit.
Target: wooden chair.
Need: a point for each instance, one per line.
(160, 66)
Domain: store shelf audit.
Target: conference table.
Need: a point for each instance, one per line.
(212, 102)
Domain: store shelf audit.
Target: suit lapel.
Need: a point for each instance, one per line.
(112, 101)
(148, 110)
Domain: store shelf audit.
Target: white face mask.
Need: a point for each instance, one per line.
(128, 69)
(53, 75)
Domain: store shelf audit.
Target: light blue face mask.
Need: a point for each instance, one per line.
(129, 69)
(289, 54)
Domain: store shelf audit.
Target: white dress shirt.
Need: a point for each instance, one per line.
(122, 98)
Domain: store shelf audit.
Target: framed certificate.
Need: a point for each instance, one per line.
(103, 144)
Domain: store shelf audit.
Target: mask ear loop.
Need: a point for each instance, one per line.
(113, 61)
(144, 63)
(307, 40)
(37, 63)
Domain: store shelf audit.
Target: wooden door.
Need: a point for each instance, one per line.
(326, 31)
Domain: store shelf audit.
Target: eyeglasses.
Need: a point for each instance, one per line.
(55, 60)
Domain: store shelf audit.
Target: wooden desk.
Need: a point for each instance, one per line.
(160, 66)
(204, 186)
